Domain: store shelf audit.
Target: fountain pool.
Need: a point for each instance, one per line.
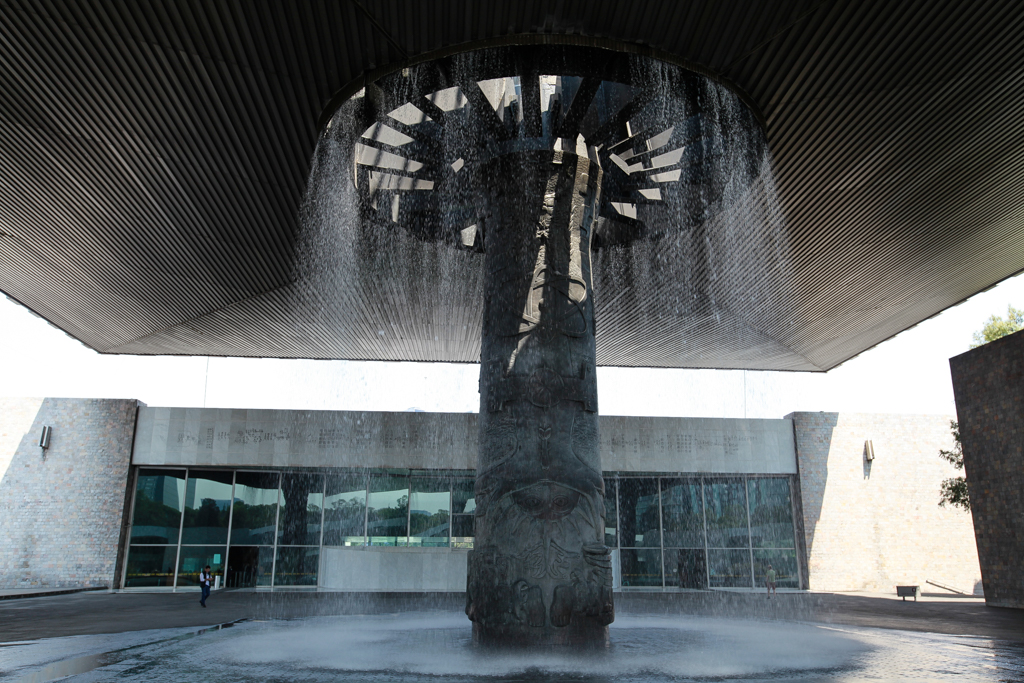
(436, 646)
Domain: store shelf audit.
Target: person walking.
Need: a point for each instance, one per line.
(769, 581)
(204, 584)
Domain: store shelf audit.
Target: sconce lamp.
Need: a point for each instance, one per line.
(44, 438)
(869, 451)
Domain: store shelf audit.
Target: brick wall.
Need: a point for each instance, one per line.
(874, 526)
(988, 385)
(60, 512)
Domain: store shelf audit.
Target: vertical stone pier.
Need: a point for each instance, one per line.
(540, 573)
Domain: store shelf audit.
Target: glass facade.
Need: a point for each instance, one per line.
(267, 528)
(703, 531)
(156, 528)
(264, 528)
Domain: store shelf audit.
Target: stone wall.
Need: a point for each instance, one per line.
(988, 385)
(60, 509)
(874, 525)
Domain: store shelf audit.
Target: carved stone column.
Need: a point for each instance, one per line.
(540, 572)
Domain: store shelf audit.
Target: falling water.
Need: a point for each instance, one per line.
(691, 262)
(706, 282)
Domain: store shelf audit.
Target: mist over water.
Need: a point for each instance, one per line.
(644, 648)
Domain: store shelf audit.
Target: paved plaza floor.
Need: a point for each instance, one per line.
(678, 636)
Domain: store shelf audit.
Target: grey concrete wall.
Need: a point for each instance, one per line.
(872, 526)
(678, 444)
(60, 510)
(287, 438)
(988, 385)
(393, 569)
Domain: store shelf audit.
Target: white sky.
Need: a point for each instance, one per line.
(907, 374)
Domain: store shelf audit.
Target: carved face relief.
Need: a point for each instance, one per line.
(547, 500)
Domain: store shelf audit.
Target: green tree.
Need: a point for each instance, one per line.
(954, 489)
(996, 327)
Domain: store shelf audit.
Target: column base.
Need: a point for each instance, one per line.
(582, 635)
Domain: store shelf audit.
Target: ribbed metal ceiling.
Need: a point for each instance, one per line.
(153, 157)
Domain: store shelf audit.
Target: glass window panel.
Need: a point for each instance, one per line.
(297, 566)
(610, 514)
(725, 506)
(255, 511)
(771, 513)
(345, 510)
(207, 507)
(462, 531)
(682, 513)
(249, 566)
(784, 564)
(388, 510)
(729, 569)
(462, 496)
(192, 560)
(302, 502)
(638, 514)
(159, 495)
(150, 566)
(429, 511)
(640, 567)
(686, 568)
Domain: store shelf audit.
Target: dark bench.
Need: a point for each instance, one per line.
(908, 592)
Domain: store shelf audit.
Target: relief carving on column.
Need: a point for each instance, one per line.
(540, 571)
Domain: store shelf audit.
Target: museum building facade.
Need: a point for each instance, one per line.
(141, 498)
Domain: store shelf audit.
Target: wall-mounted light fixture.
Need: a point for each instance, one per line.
(869, 451)
(44, 438)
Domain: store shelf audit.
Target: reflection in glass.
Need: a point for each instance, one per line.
(345, 510)
(255, 514)
(463, 509)
(725, 504)
(192, 560)
(686, 568)
(150, 566)
(207, 507)
(249, 566)
(159, 495)
(771, 513)
(610, 509)
(296, 566)
(682, 513)
(784, 564)
(638, 514)
(462, 497)
(302, 502)
(640, 567)
(387, 512)
(462, 531)
(729, 568)
(429, 511)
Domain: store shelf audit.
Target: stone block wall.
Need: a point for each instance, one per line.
(872, 526)
(988, 385)
(60, 510)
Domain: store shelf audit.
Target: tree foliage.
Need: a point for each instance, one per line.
(996, 327)
(954, 489)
